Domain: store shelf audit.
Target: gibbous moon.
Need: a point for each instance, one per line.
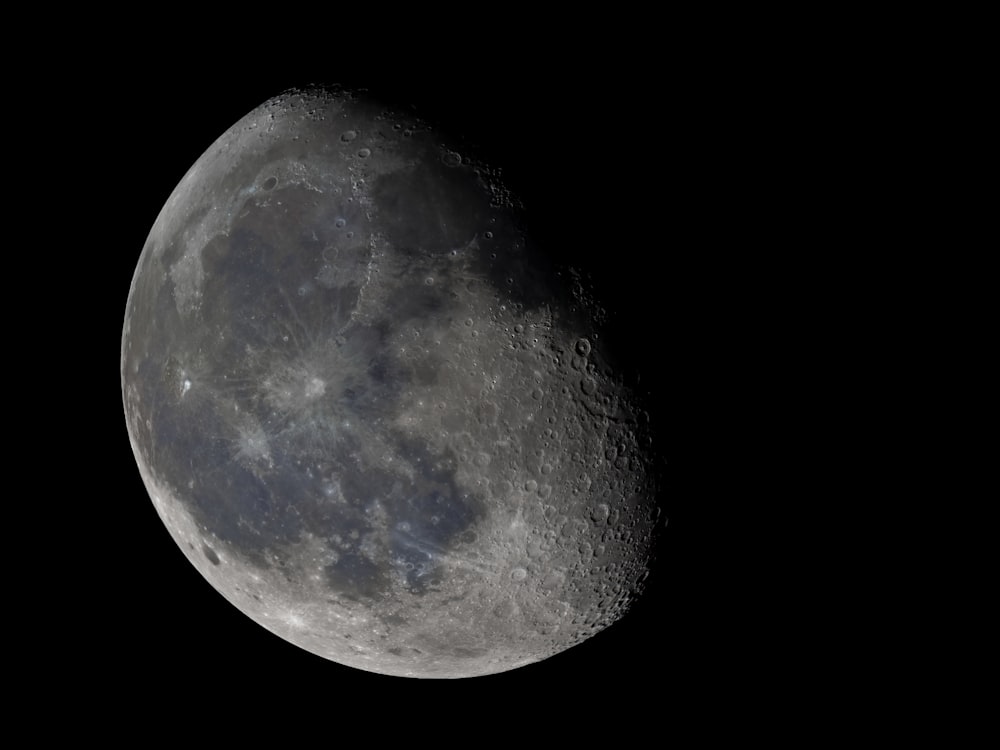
(374, 415)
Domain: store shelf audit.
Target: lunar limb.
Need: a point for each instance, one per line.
(375, 417)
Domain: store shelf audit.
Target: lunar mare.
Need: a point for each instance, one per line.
(373, 416)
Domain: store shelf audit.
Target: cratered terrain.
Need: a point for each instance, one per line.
(377, 415)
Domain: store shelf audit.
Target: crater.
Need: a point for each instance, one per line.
(210, 554)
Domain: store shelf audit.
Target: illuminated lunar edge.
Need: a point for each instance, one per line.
(368, 414)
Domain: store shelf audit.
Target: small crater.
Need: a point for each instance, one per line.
(364, 153)
(270, 182)
(583, 347)
(348, 135)
(599, 513)
(210, 554)
(451, 159)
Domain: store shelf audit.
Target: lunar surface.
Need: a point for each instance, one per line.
(374, 416)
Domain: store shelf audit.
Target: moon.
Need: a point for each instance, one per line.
(374, 414)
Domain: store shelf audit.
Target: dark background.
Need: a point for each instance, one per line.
(616, 165)
(717, 172)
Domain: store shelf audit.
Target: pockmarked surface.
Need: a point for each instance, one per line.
(374, 416)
